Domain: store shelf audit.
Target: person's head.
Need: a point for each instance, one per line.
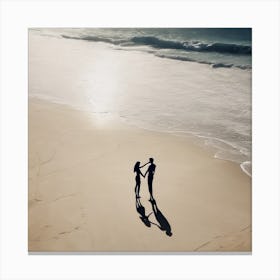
(136, 166)
(146, 221)
(169, 233)
(151, 160)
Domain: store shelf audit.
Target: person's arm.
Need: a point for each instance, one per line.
(142, 174)
(157, 225)
(148, 169)
(146, 172)
(144, 164)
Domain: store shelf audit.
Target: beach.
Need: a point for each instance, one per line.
(81, 156)
(81, 189)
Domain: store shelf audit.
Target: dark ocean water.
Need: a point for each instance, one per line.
(219, 47)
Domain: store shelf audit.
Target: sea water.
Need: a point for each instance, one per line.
(194, 81)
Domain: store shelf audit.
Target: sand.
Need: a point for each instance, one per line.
(81, 188)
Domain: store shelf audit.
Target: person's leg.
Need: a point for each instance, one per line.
(150, 184)
(138, 190)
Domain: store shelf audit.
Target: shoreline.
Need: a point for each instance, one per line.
(116, 119)
(70, 157)
(96, 77)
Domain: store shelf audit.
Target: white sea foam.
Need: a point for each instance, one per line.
(247, 167)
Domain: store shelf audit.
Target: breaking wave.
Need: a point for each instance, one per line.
(158, 43)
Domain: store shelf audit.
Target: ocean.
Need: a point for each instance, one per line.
(219, 47)
(184, 81)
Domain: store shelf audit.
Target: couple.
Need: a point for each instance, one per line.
(151, 171)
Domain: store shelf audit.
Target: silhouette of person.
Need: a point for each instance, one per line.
(151, 171)
(141, 210)
(163, 223)
(137, 177)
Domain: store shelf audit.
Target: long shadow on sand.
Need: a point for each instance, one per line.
(161, 219)
(163, 223)
(141, 210)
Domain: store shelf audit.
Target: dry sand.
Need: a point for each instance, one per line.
(81, 188)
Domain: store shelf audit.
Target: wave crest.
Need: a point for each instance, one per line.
(158, 43)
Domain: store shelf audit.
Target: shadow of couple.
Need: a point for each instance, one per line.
(163, 223)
